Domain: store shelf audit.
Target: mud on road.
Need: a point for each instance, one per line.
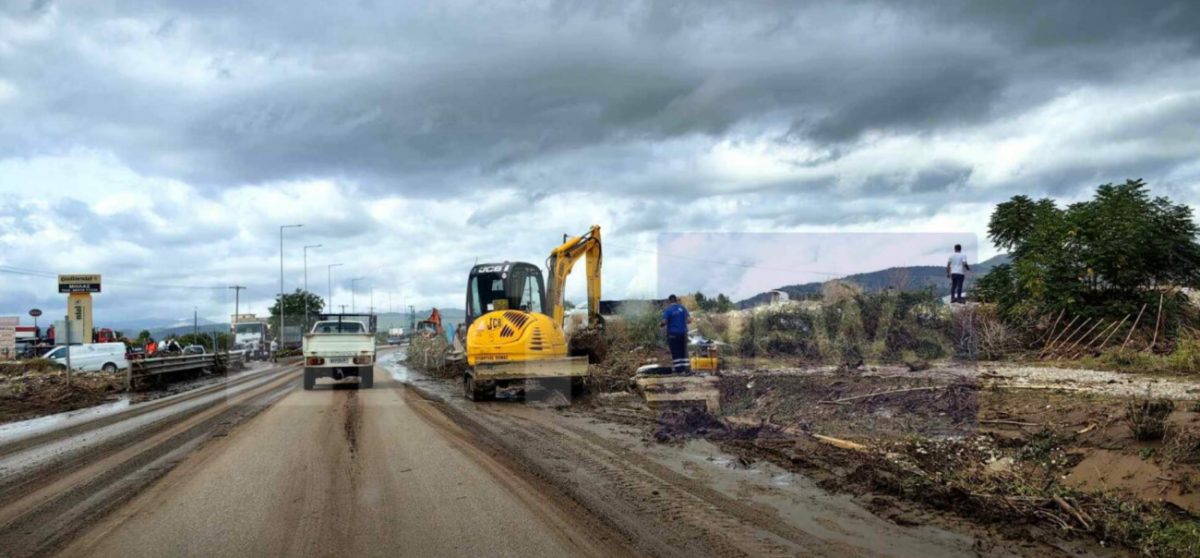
(689, 499)
(56, 481)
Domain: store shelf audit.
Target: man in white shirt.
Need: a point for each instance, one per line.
(956, 270)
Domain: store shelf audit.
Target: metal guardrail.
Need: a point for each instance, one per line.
(150, 367)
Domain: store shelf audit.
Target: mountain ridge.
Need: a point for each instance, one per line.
(907, 278)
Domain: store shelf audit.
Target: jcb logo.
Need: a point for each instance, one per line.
(493, 323)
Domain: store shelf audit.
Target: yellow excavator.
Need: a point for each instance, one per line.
(515, 330)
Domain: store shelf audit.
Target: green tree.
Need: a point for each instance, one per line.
(719, 304)
(1103, 251)
(724, 304)
(294, 304)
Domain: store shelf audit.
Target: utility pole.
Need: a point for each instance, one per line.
(412, 318)
(194, 336)
(306, 283)
(282, 311)
(237, 292)
(67, 323)
(329, 301)
(343, 308)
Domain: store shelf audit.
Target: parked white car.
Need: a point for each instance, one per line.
(108, 357)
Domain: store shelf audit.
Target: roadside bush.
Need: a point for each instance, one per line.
(1186, 357)
(714, 326)
(1125, 360)
(1147, 418)
(836, 292)
(850, 326)
(782, 330)
(979, 333)
(636, 326)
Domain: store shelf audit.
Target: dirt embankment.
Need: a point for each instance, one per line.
(39, 387)
(1039, 467)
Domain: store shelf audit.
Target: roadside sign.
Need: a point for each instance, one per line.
(8, 337)
(35, 312)
(60, 332)
(8, 342)
(78, 283)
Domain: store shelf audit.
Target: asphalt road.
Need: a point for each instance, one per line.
(343, 472)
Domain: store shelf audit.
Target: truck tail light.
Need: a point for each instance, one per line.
(315, 361)
(362, 360)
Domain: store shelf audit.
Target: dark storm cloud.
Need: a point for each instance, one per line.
(438, 100)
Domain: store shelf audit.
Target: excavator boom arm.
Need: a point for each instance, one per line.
(559, 265)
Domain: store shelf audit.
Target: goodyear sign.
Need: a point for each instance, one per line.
(78, 283)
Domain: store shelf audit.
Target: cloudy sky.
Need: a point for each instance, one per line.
(162, 143)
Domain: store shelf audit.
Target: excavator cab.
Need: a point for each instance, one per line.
(505, 286)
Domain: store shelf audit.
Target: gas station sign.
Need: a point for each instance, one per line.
(79, 288)
(78, 283)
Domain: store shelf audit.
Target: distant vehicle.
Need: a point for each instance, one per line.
(292, 337)
(339, 346)
(104, 335)
(194, 350)
(252, 338)
(108, 357)
(395, 336)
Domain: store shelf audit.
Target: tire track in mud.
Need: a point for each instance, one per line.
(668, 498)
(659, 512)
(351, 421)
(351, 411)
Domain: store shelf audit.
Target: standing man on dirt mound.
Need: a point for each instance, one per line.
(956, 270)
(676, 319)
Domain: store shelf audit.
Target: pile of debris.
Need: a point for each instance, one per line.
(434, 356)
(39, 387)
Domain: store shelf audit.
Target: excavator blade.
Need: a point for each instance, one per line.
(565, 367)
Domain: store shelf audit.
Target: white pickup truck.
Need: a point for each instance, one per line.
(338, 349)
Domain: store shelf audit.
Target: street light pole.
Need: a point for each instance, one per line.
(352, 290)
(282, 311)
(329, 301)
(306, 281)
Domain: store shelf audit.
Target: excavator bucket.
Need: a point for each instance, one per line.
(661, 390)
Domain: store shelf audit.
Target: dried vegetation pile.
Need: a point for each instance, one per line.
(39, 387)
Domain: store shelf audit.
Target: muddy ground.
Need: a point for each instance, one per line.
(31, 391)
(1037, 457)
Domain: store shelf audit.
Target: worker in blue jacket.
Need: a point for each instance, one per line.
(676, 319)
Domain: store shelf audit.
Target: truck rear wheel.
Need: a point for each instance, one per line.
(310, 379)
(366, 378)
